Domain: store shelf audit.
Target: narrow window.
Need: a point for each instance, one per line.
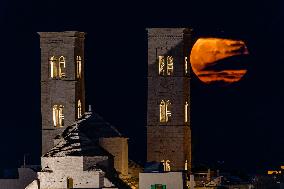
(55, 116)
(186, 112)
(69, 183)
(53, 67)
(185, 65)
(165, 111)
(166, 65)
(166, 165)
(62, 71)
(162, 111)
(58, 115)
(170, 65)
(79, 64)
(162, 65)
(61, 116)
(79, 109)
(185, 165)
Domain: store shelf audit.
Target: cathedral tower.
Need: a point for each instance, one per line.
(168, 108)
(62, 82)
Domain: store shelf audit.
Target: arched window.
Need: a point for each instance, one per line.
(79, 66)
(186, 112)
(166, 65)
(165, 111)
(58, 115)
(166, 165)
(162, 65)
(69, 183)
(185, 65)
(53, 67)
(62, 71)
(170, 65)
(79, 109)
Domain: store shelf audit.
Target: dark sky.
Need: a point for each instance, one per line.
(241, 124)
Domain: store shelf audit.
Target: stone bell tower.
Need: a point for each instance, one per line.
(168, 108)
(62, 82)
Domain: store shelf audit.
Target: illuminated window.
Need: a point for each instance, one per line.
(69, 183)
(170, 65)
(53, 67)
(79, 109)
(79, 64)
(62, 67)
(186, 112)
(162, 65)
(58, 116)
(185, 65)
(185, 165)
(165, 111)
(166, 65)
(166, 165)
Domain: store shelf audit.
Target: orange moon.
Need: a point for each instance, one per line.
(219, 61)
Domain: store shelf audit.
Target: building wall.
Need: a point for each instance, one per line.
(81, 179)
(66, 91)
(26, 176)
(118, 147)
(170, 179)
(171, 140)
(56, 170)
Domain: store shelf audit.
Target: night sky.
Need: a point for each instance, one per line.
(241, 124)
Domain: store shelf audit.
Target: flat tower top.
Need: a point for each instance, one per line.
(61, 34)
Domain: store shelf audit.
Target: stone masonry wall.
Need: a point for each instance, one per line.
(171, 140)
(64, 91)
(118, 147)
(56, 171)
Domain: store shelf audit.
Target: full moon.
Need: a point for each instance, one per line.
(219, 61)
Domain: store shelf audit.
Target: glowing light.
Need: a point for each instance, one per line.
(58, 116)
(185, 165)
(53, 67)
(185, 65)
(170, 65)
(162, 65)
(79, 64)
(273, 172)
(166, 164)
(62, 67)
(165, 111)
(186, 112)
(79, 109)
(166, 65)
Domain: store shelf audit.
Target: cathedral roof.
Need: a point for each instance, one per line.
(81, 138)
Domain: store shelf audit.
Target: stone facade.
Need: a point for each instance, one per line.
(58, 170)
(60, 91)
(171, 140)
(118, 147)
(169, 179)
